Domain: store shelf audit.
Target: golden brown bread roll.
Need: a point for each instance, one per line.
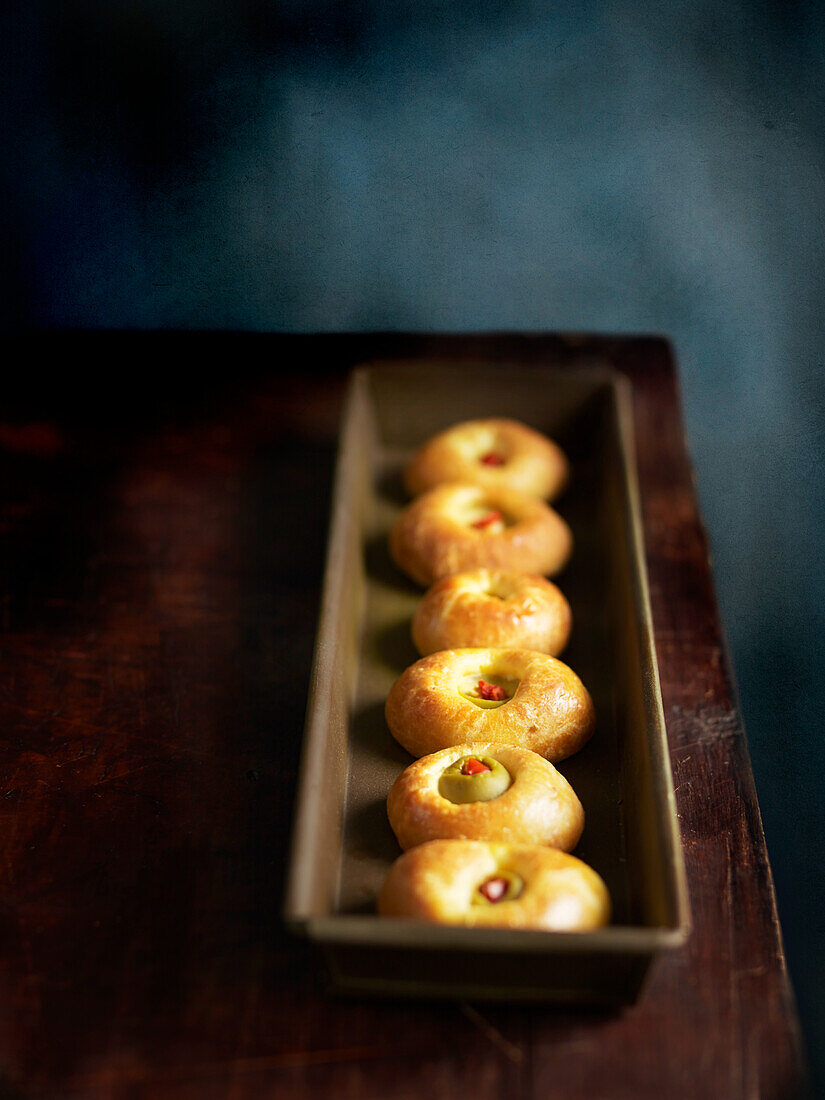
(455, 528)
(493, 453)
(485, 791)
(479, 884)
(528, 699)
(492, 607)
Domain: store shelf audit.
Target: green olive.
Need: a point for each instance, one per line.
(468, 689)
(513, 886)
(482, 787)
(485, 704)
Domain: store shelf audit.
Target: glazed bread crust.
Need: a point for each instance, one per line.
(438, 881)
(436, 536)
(539, 806)
(529, 461)
(492, 607)
(550, 712)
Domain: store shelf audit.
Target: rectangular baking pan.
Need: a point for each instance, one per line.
(342, 842)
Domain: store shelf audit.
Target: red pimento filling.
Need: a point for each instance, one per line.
(485, 521)
(493, 458)
(494, 889)
(474, 767)
(491, 691)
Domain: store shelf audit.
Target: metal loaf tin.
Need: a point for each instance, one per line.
(342, 842)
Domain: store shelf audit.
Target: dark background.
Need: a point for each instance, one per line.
(620, 167)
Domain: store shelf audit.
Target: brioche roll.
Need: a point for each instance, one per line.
(455, 528)
(502, 696)
(492, 607)
(485, 791)
(481, 884)
(493, 453)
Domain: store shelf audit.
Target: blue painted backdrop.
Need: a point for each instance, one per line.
(611, 166)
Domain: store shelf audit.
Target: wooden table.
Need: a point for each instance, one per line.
(163, 558)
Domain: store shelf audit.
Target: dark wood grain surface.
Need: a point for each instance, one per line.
(163, 541)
